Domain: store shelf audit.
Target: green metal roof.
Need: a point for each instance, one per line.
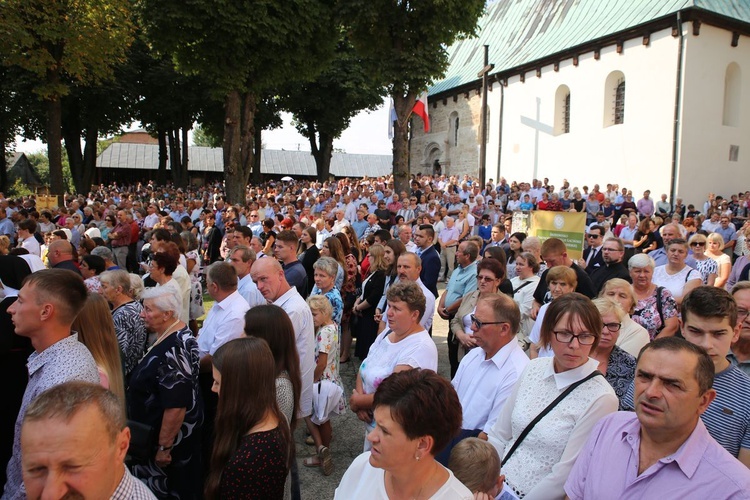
(522, 31)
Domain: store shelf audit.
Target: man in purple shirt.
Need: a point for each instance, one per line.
(663, 450)
(645, 205)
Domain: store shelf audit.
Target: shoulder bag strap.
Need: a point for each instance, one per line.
(659, 305)
(517, 289)
(544, 412)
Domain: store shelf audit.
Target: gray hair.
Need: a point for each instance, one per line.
(136, 286)
(247, 254)
(103, 252)
(65, 400)
(328, 265)
(191, 242)
(118, 277)
(164, 299)
(641, 260)
(532, 243)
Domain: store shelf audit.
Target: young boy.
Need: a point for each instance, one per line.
(476, 464)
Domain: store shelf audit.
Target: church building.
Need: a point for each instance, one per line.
(648, 94)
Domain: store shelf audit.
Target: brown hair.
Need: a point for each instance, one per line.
(505, 309)
(63, 288)
(476, 464)
(704, 367)
(272, 324)
(577, 307)
(414, 398)
(562, 273)
(553, 246)
(248, 392)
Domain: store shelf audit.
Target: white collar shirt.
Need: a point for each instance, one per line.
(224, 322)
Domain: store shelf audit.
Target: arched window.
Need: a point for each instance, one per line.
(562, 110)
(453, 129)
(732, 94)
(614, 99)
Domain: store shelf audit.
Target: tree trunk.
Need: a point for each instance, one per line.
(161, 174)
(403, 105)
(323, 155)
(3, 166)
(258, 150)
(54, 144)
(239, 131)
(89, 159)
(175, 157)
(185, 159)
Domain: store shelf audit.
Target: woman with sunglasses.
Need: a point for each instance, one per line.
(537, 466)
(617, 366)
(707, 266)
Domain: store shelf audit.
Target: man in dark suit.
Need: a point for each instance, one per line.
(592, 256)
(424, 238)
(613, 251)
(499, 238)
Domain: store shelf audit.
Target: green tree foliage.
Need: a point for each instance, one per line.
(203, 138)
(241, 48)
(408, 42)
(324, 107)
(62, 43)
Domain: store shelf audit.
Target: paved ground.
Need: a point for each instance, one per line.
(348, 431)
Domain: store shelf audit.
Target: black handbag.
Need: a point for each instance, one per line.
(142, 441)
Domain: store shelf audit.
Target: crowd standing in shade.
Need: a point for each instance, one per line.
(105, 340)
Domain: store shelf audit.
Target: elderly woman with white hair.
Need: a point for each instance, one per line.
(163, 394)
(655, 309)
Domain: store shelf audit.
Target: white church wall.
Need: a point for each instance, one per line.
(636, 154)
(705, 140)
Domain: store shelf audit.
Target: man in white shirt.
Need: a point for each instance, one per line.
(26, 239)
(341, 221)
(242, 259)
(404, 234)
(269, 277)
(226, 319)
(409, 266)
(152, 218)
(498, 359)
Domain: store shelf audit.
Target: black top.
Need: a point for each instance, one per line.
(308, 258)
(257, 469)
(605, 273)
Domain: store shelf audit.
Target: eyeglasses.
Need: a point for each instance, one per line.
(593, 236)
(605, 249)
(742, 314)
(698, 244)
(480, 324)
(612, 327)
(485, 278)
(567, 338)
(253, 215)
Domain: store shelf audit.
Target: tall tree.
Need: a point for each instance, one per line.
(59, 42)
(324, 107)
(408, 41)
(240, 48)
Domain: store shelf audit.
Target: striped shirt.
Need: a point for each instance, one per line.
(728, 417)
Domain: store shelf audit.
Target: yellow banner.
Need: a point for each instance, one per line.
(570, 227)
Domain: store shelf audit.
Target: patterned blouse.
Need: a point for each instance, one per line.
(327, 341)
(707, 267)
(647, 314)
(620, 372)
(131, 333)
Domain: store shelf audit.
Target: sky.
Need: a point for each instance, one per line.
(367, 134)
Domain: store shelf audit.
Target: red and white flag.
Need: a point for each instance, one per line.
(420, 109)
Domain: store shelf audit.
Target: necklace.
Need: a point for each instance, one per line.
(162, 337)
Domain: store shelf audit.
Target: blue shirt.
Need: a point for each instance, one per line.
(463, 280)
(359, 227)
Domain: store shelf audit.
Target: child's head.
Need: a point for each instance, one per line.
(476, 464)
(321, 308)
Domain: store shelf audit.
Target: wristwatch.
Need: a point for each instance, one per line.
(165, 448)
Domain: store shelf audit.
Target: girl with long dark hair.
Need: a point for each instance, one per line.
(252, 444)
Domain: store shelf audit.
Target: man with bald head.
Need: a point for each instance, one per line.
(668, 233)
(60, 255)
(268, 275)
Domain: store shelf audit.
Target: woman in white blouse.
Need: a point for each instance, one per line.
(524, 284)
(542, 461)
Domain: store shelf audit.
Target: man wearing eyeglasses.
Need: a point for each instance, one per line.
(498, 358)
(739, 355)
(593, 257)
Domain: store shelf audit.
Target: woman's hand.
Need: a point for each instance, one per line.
(163, 458)
(353, 401)
(466, 340)
(364, 416)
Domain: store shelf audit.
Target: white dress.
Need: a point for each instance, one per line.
(675, 283)
(541, 464)
(362, 480)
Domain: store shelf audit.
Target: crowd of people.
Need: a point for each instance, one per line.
(635, 357)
